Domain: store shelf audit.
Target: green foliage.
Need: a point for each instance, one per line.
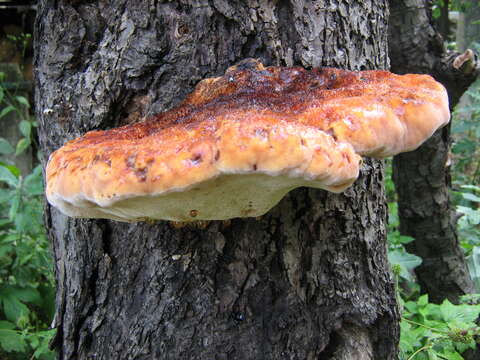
(21, 42)
(466, 133)
(431, 331)
(466, 170)
(468, 207)
(454, 5)
(402, 262)
(473, 263)
(26, 278)
(9, 102)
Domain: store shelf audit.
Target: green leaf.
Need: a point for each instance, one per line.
(473, 264)
(22, 222)
(25, 128)
(14, 309)
(433, 311)
(408, 342)
(13, 169)
(5, 195)
(405, 239)
(6, 110)
(451, 355)
(4, 222)
(22, 145)
(12, 341)
(5, 147)
(459, 313)
(471, 187)
(29, 295)
(42, 350)
(464, 145)
(25, 259)
(14, 206)
(406, 261)
(6, 325)
(7, 176)
(47, 292)
(33, 183)
(422, 300)
(471, 197)
(411, 306)
(432, 354)
(34, 341)
(472, 216)
(5, 249)
(10, 239)
(22, 100)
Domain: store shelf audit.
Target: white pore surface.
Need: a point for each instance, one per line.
(225, 197)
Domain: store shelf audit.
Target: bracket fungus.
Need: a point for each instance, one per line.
(241, 141)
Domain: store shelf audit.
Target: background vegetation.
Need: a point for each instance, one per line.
(26, 277)
(428, 331)
(446, 331)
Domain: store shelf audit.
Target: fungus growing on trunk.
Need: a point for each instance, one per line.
(240, 142)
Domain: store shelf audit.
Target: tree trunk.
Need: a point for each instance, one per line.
(444, 20)
(309, 280)
(422, 177)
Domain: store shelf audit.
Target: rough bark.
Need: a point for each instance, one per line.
(422, 177)
(309, 280)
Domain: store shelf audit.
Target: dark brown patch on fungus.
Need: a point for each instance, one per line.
(196, 159)
(141, 173)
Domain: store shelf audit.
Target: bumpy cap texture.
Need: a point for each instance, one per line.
(240, 142)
